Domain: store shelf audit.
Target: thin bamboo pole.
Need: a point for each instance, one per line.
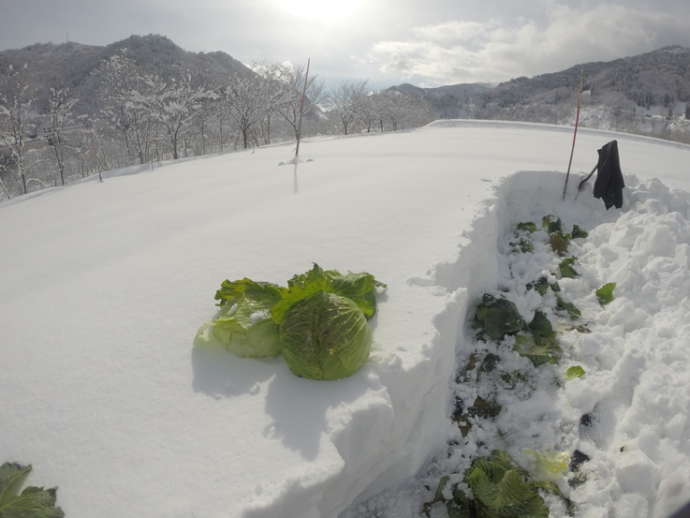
(577, 123)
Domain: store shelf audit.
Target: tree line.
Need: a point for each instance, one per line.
(139, 117)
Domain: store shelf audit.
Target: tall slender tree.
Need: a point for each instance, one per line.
(60, 111)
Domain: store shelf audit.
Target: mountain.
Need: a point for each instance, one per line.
(648, 93)
(71, 64)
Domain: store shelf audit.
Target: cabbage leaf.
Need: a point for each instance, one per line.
(358, 287)
(243, 324)
(32, 502)
(605, 293)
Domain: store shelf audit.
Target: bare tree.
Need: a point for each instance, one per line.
(173, 104)
(14, 107)
(245, 99)
(60, 110)
(124, 87)
(346, 99)
(291, 86)
(365, 108)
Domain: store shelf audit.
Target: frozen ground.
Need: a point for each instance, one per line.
(104, 286)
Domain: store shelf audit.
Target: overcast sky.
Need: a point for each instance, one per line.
(426, 42)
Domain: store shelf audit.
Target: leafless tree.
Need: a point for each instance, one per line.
(173, 104)
(245, 99)
(291, 83)
(60, 111)
(14, 109)
(123, 87)
(346, 99)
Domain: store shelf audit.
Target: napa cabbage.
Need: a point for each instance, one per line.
(243, 324)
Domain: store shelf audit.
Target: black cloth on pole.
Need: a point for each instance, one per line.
(609, 184)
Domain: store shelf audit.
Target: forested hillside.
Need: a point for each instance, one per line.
(648, 93)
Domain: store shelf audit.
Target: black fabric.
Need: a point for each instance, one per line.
(609, 184)
(683, 512)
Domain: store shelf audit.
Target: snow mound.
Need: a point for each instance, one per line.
(634, 353)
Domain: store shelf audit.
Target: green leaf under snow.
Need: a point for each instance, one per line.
(550, 464)
(566, 268)
(541, 346)
(497, 317)
(542, 330)
(527, 226)
(32, 502)
(523, 245)
(568, 307)
(484, 408)
(551, 223)
(502, 489)
(559, 243)
(438, 496)
(574, 372)
(541, 286)
(460, 506)
(605, 293)
(578, 233)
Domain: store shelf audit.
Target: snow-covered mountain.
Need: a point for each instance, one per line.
(648, 93)
(72, 65)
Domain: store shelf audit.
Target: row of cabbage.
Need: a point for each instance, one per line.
(495, 485)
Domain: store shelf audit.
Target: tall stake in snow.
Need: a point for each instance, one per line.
(299, 127)
(301, 110)
(577, 123)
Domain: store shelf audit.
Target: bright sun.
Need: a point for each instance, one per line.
(322, 10)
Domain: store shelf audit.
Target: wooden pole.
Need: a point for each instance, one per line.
(577, 123)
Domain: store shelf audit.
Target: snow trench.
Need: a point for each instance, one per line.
(389, 440)
(635, 391)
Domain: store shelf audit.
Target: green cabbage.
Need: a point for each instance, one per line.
(358, 287)
(325, 336)
(503, 489)
(244, 325)
(31, 502)
(319, 321)
(497, 317)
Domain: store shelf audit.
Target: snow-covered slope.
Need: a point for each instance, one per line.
(104, 286)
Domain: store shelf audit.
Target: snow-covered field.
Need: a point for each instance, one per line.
(104, 286)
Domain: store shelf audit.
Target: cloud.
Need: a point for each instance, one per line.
(469, 51)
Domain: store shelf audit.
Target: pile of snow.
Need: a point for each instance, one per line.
(104, 286)
(633, 397)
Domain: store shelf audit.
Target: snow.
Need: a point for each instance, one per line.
(104, 286)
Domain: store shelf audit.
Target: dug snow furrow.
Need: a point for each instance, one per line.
(622, 428)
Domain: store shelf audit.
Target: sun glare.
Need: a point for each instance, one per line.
(321, 10)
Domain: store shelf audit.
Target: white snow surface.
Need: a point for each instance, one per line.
(104, 286)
